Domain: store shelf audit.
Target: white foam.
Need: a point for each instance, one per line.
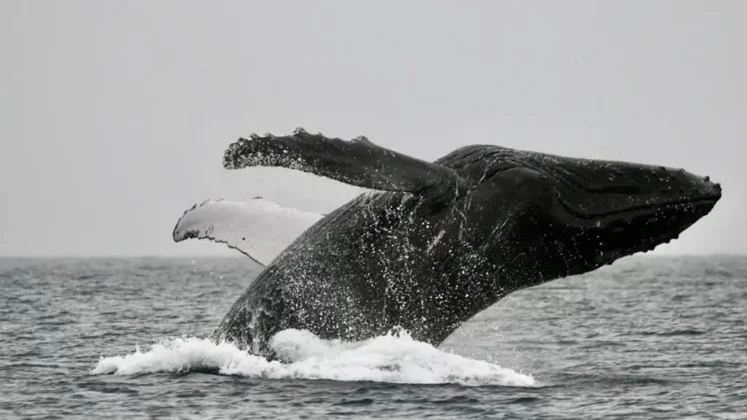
(395, 358)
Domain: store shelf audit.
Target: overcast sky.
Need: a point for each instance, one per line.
(114, 115)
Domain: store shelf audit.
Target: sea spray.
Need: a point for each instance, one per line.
(393, 358)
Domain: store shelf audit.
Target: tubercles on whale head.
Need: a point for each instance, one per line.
(594, 212)
(614, 209)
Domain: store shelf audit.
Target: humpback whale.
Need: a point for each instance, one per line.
(434, 243)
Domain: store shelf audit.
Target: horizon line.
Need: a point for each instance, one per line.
(188, 256)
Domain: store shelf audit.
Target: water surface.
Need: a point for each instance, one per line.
(649, 337)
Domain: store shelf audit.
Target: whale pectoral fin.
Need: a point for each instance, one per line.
(258, 228)
(357, 162)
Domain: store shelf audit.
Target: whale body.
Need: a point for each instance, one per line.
(435, 242)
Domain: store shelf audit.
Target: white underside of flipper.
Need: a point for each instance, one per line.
(258, 228)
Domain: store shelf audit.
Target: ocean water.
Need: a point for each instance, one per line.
(649, 337)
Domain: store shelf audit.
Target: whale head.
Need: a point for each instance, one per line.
(598, 211)
(573, 215)
(608, 210)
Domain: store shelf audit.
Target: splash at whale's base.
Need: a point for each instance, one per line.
(392, 358)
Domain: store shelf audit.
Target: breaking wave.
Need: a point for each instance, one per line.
(394, 358)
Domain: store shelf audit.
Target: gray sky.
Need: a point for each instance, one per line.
(114, 115)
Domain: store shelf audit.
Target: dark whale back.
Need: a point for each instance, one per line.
(377, 262)
(352, 275)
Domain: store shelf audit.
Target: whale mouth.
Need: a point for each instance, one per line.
(642, 228)
(657, 224)
(701, 206)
